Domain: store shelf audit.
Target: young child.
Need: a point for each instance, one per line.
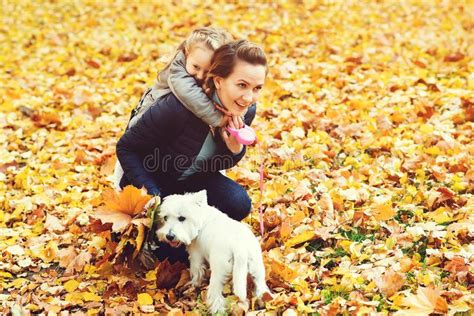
(184, 75)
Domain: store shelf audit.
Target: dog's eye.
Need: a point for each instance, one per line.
(181, 218)
(165, 218)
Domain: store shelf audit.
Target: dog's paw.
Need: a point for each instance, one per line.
(194, 283)
(260, 301)
(239, 309)
(216, 304)
(197, 276)
(261, 291)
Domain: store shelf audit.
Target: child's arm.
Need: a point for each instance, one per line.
(186, 89)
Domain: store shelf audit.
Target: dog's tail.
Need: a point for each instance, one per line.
(239, 276)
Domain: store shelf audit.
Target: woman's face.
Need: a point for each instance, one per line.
(241, 88)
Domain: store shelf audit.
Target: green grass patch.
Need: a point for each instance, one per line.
(356, 234)
(403, 216)
(329, 295)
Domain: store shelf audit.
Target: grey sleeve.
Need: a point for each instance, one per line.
(190, 94)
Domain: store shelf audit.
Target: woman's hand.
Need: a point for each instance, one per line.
(238, 122)
(225, 120)
(226, 116)
(231, 142)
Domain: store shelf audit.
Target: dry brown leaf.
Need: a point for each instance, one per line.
(53, 224)
(454, 57)
(303, 191)
(72, 261)
(140, 239)
(406, 264)
(245, 177)
(457, 264)
(119, 220)
(66, 256)
(327, 207)
(42, 119)
(108, 166)
(271, 219)
(390, 282)
(285, 228)
(168, 274)
(426, 301)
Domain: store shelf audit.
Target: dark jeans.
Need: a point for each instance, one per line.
(223, 193)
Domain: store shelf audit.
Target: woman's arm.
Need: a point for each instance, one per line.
(155, 128)
(191, 95)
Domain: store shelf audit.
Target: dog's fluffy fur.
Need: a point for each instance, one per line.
(227, 245)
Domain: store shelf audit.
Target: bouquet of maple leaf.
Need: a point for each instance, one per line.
(129, 226)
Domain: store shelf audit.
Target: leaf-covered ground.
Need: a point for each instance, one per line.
(365, 128)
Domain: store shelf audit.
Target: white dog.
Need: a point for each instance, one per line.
(227, 245)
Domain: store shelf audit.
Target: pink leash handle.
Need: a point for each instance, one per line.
(245, 135)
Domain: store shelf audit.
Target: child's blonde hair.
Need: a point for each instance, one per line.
(211, 37)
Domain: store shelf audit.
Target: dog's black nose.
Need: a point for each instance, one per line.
(170, 236)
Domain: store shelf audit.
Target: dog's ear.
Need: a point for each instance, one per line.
(201, 197)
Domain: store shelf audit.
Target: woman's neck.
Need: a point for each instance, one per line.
(217, 99)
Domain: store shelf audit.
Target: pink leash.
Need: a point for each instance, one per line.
(260, 210)
(247, 136)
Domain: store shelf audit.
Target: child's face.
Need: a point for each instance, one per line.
(198, 61)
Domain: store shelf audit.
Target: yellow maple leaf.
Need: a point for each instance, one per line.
(300, 238)
(120, 207)
(129, 201)
(71, 285)
(441, 215)
(283, 271)
(74, 298)
(144, 299)
(383, 212)
(88, 296)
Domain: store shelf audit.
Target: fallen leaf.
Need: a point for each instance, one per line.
(119, 220)
(300, 238)
(427, 300)
(71, 285)
(53, 224)
(144, 299)
(390, 282)
(285, 228)
(168, 274)
(129, 201)
(383, 212)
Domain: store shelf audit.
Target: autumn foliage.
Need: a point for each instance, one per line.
(365, 129)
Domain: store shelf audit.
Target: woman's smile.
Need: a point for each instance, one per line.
(242, 105)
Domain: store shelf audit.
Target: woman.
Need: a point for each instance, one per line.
(171, 151)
